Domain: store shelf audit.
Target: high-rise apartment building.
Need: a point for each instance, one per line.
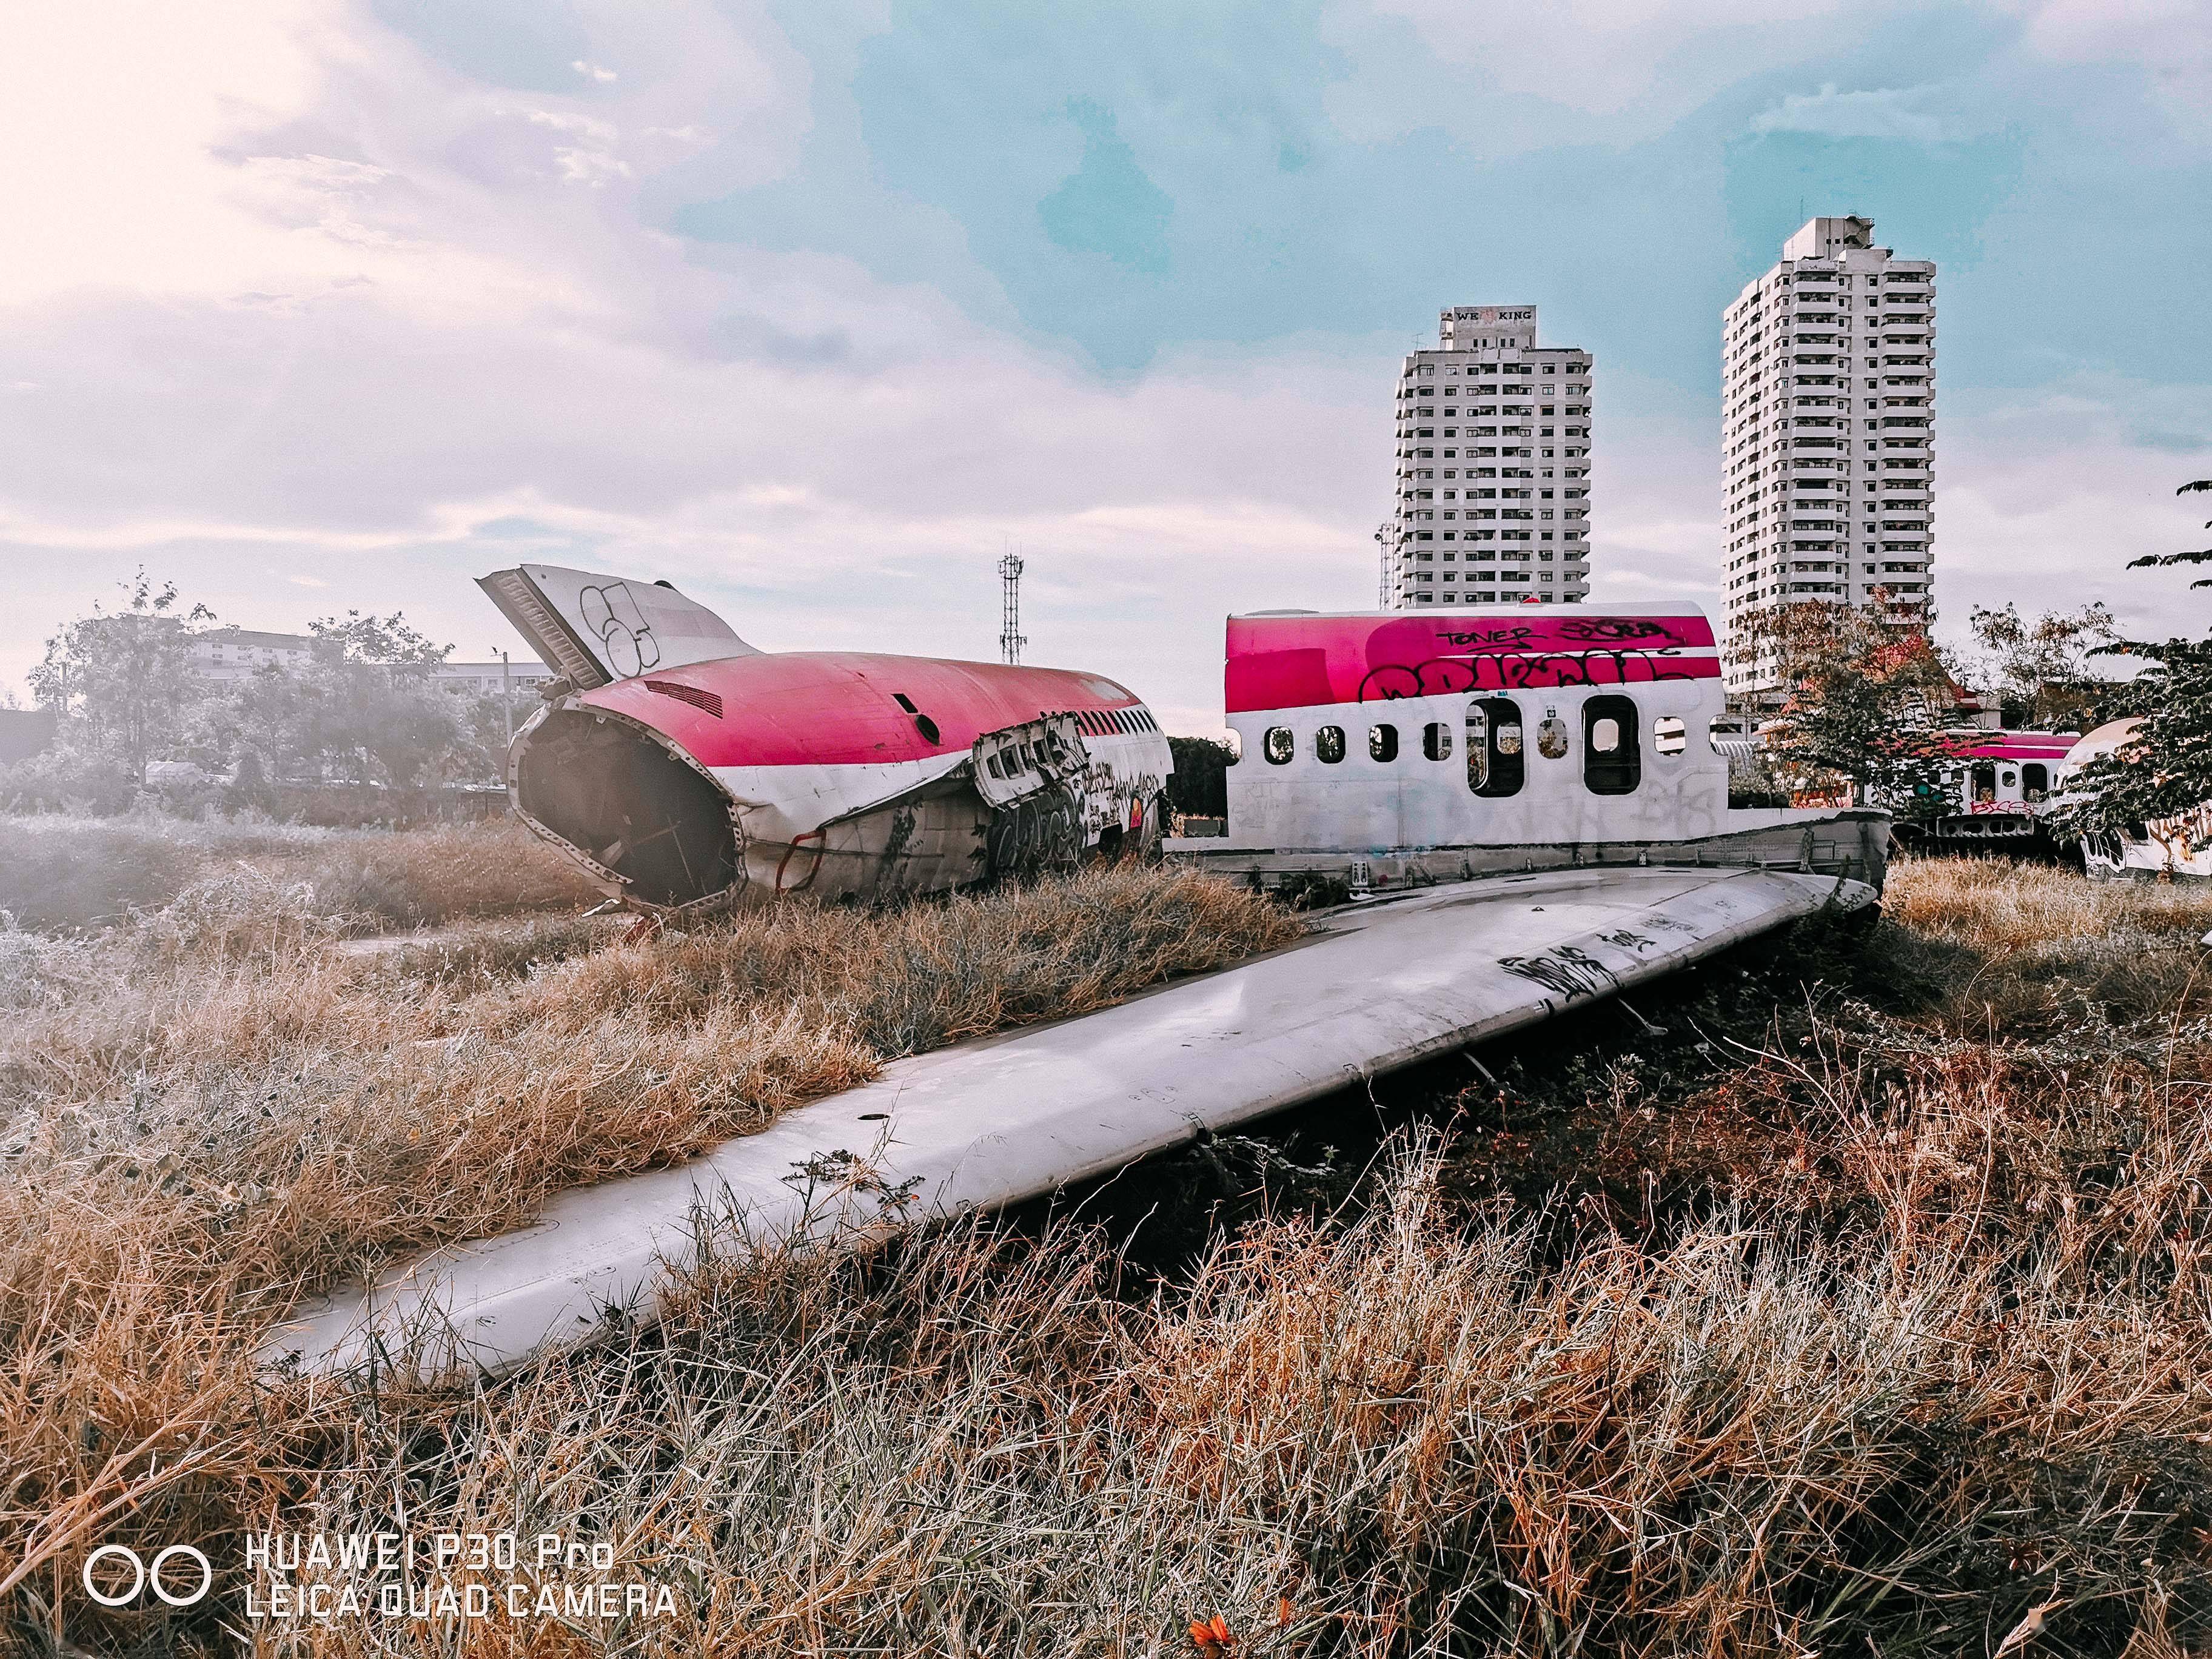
(1827, 418)
(1493, 467)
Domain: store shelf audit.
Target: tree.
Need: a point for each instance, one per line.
(363, 708)
(1865, 705)
(487, 728)
(1200, 787)
(372, 700)
(2165, 770)
(122, 680)
(2041, 669)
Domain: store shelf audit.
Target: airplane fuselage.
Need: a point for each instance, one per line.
(835, 774)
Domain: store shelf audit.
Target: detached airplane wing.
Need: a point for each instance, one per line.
(595, 629)
(1378, 986)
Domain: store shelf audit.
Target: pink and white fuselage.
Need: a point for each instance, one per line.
(680, 765)
(2000, 787)
(1399, 747)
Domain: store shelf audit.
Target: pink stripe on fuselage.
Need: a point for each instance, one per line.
(840, 708)
(2017, 746)
(1302, 662)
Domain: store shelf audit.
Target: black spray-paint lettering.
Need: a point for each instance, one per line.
(1442, 677)
(1568, 969)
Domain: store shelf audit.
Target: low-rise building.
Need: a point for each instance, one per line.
(238, 653)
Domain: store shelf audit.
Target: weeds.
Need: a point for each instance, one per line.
(1856, 1302)
(59, 873)
(219, 1103)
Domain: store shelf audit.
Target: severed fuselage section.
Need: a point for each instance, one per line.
(682, 779)
(622, 801)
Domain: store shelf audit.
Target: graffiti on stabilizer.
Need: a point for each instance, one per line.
(612, 614)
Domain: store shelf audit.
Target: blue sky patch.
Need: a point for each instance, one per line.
(1108, 205)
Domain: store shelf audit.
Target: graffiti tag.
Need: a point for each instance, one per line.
(1568, 969)
(1442, 677)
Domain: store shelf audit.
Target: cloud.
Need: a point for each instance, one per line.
(1635, 66)
(1886, 113)
(2166, 41)
(592, 71)
(297, 294)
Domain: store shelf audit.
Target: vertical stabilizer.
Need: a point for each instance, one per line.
(595, 629)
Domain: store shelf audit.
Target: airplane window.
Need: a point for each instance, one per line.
(1494, 766)
(1669, 736)
(1552, 737)
(1382, 743)
(1278, 745)
(1436, 741)
(926, 726)
(2009, 779)
(1611, 763)
(2037, 776)
(1236, 745)
(1328, 744)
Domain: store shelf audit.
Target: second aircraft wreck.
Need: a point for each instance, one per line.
(683, 767)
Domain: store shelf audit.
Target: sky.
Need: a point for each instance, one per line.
(816, 309)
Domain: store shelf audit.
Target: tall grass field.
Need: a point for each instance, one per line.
(1851, 1297)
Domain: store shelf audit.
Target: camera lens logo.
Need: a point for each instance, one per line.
(141, 1576)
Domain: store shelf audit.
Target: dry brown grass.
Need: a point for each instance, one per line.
(1930, 1358)
(63, 873)
(2038, 951)
(216, 1106)
(1997, 907)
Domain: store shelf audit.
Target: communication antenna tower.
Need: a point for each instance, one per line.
(1011, 638)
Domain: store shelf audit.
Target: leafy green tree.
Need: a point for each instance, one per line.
(480, 756)
(1200, 787)
(364, 706)
(2041, 670)
(122, 679)
(371, 704)
(2166, 771)
(1865, 706)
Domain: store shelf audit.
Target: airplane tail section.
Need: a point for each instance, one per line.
(595, 629)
